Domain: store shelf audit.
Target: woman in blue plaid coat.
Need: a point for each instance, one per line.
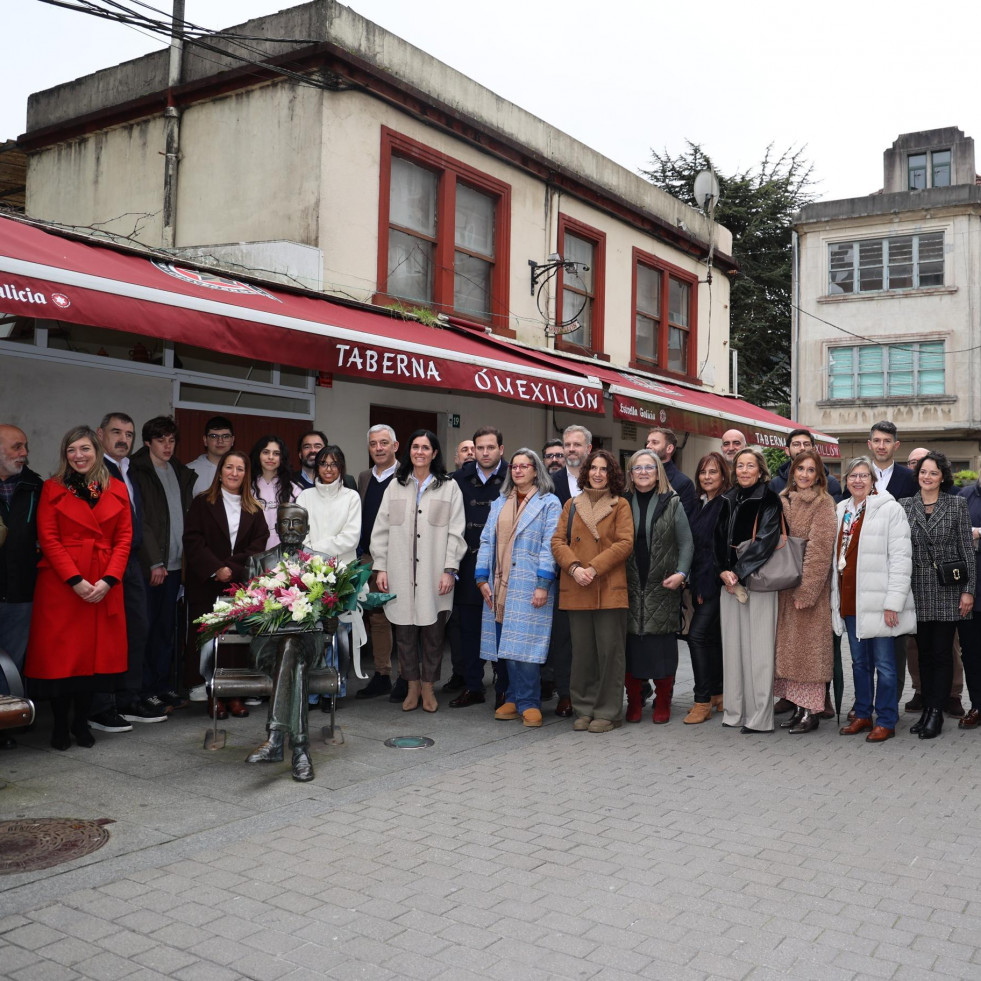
(516, 577)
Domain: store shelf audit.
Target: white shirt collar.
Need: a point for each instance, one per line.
(384, 474)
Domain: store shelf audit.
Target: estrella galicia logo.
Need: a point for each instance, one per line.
(211, 281)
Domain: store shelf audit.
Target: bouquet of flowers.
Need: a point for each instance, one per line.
(300, 592)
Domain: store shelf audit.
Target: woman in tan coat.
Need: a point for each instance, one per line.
(594, 537)
(805, 655)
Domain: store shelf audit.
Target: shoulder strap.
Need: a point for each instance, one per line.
(568, 529)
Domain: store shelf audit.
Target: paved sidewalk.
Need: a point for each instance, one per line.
(669, 852)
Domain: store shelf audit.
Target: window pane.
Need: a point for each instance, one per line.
(841, 264)
(870, 265)
(471, 285)
(410, 267)
(474, 220)
(901, 262)
(941, 168)
(571, 303)
(901, 369)
(931, 369)
(678, 296)
(841, 366)
(647, 338)
(577, 249)
(649, 291)
(931, 259)
(678, 350)
(917, 171)
(412, 202)
(870, 380)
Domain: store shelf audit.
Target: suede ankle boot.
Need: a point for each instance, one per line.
(635, 701)
(663, 690)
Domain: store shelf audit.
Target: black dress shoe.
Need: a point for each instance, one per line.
(917, 726)
(970, 721)
(399, 690)
(807, 722)
(456, 683)
(933, 724)
(468, 697)
(784, 705)
(380, 684)
(746, 731)
(83, 736)
(302, 765)
(794, 719)
(61, 740)
(564, 709)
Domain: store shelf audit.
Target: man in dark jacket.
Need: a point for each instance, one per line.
(969, 631)
(20, 491)
(116, 713)
(889, 475)
(664, 443)
(166, 488)
(480, 483)
(798, 441)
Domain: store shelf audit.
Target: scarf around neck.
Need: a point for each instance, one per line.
(593, 506)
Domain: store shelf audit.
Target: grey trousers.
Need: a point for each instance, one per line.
(749, 633)
(598, 663)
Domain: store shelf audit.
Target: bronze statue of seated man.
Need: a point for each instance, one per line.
(287, 656)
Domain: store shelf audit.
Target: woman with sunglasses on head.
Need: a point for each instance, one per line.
(271, 483)
(657, 569)
(515, 574)
(594, 536)
(871, 599)
(417, 544)
(749, 516)
(805, 654)
(712, 479)
(944, 577)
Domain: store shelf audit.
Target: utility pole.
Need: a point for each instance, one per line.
(172, 127)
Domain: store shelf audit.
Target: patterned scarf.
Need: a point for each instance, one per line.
(507, 528)
(848, 525)
(88, 492)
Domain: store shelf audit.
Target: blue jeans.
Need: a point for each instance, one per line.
(524, 684)
(874, 671)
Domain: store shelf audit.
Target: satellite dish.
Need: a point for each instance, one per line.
(706, 191)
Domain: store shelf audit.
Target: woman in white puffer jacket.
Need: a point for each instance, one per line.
(871, 599)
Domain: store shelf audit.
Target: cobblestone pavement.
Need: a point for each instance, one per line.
(675, 852)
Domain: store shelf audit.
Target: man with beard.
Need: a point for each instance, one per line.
(464, 453)
(310, 445)
(20, 492)
(732, 442)
(664, 443)
(553, 456)
(577, 442)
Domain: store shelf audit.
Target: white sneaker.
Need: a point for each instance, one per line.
(199, 694)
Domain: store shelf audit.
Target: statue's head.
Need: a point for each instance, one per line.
(292, 524)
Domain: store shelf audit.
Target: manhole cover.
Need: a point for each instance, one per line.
(29, 845)
(410, 742)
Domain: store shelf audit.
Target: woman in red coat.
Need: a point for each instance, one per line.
(77, 644)
(223, 527)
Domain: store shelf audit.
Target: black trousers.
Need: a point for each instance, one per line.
(969, 632)
(935, 642)
(705, 647)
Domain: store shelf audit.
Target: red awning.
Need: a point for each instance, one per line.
(54, 276)
(657, 403)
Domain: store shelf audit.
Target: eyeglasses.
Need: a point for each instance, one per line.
(220, 437)
(521, 466)
(859, 476)
(643, 468)
(554, 456)
(329, 466)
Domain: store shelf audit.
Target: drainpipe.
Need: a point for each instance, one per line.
(795, 326)
(172, 128)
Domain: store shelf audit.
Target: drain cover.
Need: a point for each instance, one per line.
(41, 843)
(410, 742)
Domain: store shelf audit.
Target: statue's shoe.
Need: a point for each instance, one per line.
(271, 751)
(302, 765)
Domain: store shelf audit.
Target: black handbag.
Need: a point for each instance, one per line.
(949, 573)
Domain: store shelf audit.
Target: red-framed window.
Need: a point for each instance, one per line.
(664, 309)
(581, 295)
(444, 232)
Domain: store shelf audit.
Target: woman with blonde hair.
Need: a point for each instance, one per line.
(77, 641)
(749, 517)
(657, 569)
(805, 653)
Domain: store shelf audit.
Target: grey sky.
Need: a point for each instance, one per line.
(842, 80)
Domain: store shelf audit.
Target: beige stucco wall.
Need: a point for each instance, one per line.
(113, 177)
(939, 314)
